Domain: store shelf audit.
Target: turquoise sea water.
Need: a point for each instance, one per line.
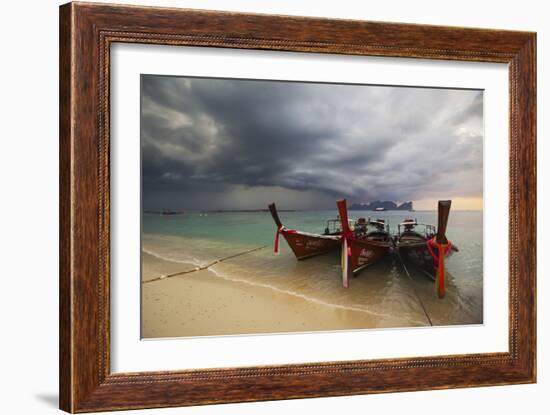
(197, 238)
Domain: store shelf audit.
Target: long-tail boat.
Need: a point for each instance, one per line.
(425, 246)
(305, 244)
(364, 244)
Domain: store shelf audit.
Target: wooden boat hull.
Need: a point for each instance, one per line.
(365, 252)
(427, 252)
(418, 255)
(305, 245)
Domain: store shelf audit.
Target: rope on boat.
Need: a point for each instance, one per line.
(414, 289)
(217, 261)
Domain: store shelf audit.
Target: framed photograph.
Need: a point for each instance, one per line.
(258, 207)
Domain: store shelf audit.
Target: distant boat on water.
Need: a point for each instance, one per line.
(163, 212)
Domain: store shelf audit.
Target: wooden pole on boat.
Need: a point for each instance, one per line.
(275, 215)
(346, 249)
(443, 210)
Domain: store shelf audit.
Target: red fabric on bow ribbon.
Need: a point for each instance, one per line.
(278, 232)
(346, 253)
(277, 235)
(439, 260)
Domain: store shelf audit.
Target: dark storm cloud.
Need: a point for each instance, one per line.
(210, 138)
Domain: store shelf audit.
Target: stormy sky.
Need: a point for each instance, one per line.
(240, 144)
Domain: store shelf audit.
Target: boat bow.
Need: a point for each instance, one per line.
(303, 244)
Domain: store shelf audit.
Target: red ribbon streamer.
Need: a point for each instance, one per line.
(441, 270)
(432, 242)
(277, 234)
(439, 260)
(347, 235)
(346, 238)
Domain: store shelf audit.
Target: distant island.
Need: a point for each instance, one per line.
(382, 205)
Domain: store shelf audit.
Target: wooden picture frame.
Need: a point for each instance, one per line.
(86, 33)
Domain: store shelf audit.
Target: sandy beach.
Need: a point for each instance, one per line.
(209, 303)
(202, 303)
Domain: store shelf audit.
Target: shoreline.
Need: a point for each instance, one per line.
(208, 303)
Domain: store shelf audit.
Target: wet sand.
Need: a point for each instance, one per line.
(208, 303)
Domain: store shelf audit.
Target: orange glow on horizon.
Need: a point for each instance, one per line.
(459, 203)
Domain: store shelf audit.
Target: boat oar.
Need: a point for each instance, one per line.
(275, 215)
(346, 237)
(443, 209)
